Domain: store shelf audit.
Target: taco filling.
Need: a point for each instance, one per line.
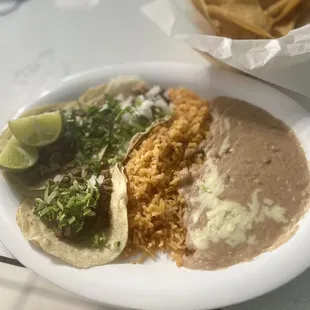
(77, 207)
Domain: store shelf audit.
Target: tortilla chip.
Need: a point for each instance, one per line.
(201, 6)
(232, 17)
(287, 24)
(304, 17)
(264, 4)
(254, 19)
(35, 231)
(226, 28)
(276, 8)
(288, 8)
(229, 15)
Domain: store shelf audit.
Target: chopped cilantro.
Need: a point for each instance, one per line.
(206, 189)
(102, 128)
(68, 205)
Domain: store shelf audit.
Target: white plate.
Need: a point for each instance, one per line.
(162, 285)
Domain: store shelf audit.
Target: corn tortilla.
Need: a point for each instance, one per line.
(35, 231)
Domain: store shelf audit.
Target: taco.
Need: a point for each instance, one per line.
(115, 233)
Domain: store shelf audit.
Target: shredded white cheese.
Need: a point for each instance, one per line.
(227, 220)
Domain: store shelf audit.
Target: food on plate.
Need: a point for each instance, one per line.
(92, 238)
(155, 209)
(37, 130)
(16, 156)
(131, 170)
(254, 19)
(250, 192)
(66, 159)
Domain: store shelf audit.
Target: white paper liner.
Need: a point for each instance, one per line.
(284, 61)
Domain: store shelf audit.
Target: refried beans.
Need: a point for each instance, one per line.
(251, 191)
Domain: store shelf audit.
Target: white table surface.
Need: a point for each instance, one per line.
(40, 44)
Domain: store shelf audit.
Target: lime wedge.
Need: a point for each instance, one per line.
(38, 130)
(16, 156)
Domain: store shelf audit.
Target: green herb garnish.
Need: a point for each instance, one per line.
(97, 240)
(68, 205)
(206, 189)
(104, 127)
